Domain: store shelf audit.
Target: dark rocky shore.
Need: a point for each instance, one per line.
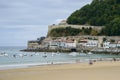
(45, 50)
(95, 51)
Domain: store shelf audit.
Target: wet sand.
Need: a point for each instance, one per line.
(104, 70)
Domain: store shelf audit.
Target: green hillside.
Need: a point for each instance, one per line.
(99, 13)
(69, 31)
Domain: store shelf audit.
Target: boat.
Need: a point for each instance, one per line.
(3, 54)
(21, 55)
(44, 55)
(89, 53)
(37, 54)
(74, 54)
(24, 54)
(53, 53)
(58, 52)
(83, 54)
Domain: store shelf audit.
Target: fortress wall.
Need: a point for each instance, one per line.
(73, 26)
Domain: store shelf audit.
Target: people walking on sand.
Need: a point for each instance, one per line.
(90, 62)
(51, 62)
(114, 59)
(77, 61)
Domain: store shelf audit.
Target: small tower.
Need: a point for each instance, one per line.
(63, 22)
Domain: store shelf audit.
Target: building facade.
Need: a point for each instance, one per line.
(33, 44)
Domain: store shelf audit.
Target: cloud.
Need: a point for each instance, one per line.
(23, 20)
(18, 36)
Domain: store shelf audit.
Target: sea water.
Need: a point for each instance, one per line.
(19, 59)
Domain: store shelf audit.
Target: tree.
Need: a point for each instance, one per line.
(98, 13)
(94, 33)
(69, 31)
(113, 28)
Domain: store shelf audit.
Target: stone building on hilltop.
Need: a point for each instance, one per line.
(64, 24)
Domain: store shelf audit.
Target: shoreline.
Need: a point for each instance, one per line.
(77, 61)
(100, 70)
(57, 64)
(28, 65)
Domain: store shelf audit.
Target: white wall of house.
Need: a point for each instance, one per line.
(83, 44)
(118, 45)
(53, 47)
(56, 44)
(61, 44)
(92, 43)
(53, 44)
(113, 45)
(106, 44)
(110, 45)
(71, 44)
(89, 43)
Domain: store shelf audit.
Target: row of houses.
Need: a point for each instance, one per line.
(108, 44)
(53, 44)
(96, 43)
(88, 43)
(71, 43)
(61, 44)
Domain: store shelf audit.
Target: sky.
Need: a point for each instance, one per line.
(23, 20)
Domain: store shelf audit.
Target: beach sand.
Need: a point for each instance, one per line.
(108, 70)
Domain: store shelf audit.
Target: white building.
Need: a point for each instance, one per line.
(70, 43)
(92, 43)
(113, 45)
(56, 44)
(89, 43)
(106, 44)
(118, 44)
(83, 42)
(53, 44)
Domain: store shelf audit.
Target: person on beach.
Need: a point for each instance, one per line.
(114, 59)
(51, 62)
(77, 61)
(90, 62)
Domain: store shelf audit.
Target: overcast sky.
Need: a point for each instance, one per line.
(23, 20)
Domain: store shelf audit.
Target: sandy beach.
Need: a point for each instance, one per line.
(108, 70)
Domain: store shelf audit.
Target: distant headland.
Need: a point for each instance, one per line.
(95, 27)
(86, 43)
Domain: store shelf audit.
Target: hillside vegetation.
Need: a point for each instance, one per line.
(69, 31)
(99, 13)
